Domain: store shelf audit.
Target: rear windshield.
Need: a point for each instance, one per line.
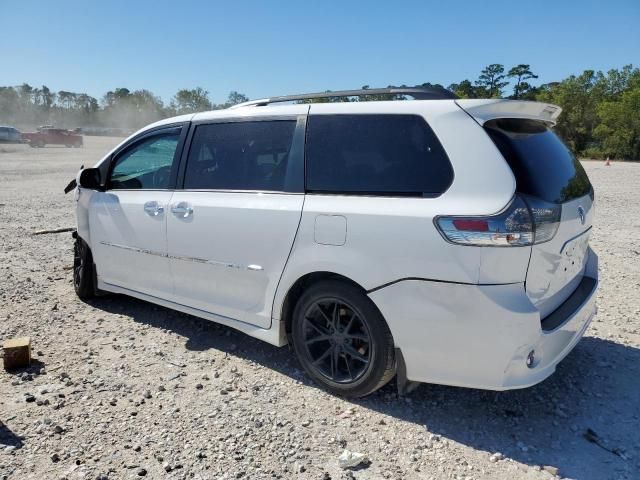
(543, 166)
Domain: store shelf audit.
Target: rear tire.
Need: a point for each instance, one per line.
(83, 270)
(341, 339)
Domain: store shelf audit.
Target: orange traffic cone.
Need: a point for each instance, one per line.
(607, 163)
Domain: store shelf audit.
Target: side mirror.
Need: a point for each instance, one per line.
(90, 178)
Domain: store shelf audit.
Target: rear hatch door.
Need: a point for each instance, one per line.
(546, 170)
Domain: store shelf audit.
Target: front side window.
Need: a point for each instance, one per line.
(240, 156)
(375, 155)
(147, 165)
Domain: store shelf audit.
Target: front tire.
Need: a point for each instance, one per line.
(342, 340)
(83, 270)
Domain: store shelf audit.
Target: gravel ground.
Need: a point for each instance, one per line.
(123, 389)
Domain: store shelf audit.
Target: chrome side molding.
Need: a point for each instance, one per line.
(252, 267)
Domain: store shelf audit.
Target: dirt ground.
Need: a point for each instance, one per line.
(124, 389)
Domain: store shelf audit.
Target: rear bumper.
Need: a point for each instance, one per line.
(479, 336)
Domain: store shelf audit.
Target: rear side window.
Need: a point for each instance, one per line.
(376, 155)
(543, 166)
(240, 156)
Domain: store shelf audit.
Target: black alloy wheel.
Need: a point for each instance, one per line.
(341, 339)
(83, 270)
(337, 340)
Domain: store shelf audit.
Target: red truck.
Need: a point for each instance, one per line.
(53, 136)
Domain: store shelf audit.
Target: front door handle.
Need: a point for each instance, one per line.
(182, 209)
(153, 208)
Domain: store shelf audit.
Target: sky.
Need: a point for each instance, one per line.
(284, 47)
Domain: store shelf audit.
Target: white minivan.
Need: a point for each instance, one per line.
(436, 239)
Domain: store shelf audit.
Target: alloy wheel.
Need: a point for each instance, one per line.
(78, 262)
(337, 340)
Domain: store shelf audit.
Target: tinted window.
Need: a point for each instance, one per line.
(543, 166)
(240, 156)
(375, 154)
(146, 165)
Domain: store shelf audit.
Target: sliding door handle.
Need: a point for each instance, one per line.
(182, 209)
(153, 208)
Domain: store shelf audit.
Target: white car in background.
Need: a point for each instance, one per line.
(442, 240)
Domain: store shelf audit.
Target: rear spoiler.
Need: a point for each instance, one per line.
(484, 110)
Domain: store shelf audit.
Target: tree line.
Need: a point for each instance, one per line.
(26, 106)
(601, 111)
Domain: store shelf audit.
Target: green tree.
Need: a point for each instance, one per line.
(37, 97)
(521, 73)
(619, 128)
(618, 81)
(86, 103)
(235, 98)
(123, 108)
(491, 81)
(115, 97)
(66, 99)
(48, 97)
(25, 92)
(578, 96)
(464, 89)
(190, 101)
(148, 107)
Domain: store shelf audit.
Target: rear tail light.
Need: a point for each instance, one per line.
(526, 221)
(546, 218)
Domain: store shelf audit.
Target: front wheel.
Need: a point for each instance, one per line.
(342, 340)
(83, 270)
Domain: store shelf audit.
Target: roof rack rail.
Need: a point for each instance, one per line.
(417, 93)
